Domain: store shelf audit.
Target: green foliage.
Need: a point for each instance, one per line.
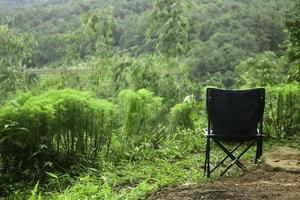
(293, 43)
(96, 33)
(164, 76)
(105, 45)
(139, 180)
(87, 187)
(281, 118)
(265, 69)
(94, 37)
(232, 31)
(181, 143)
(292, 23)
(141, 55)
(14, 50)
(132, 181)
(34, 193)
(183, 115)
(171, 164)
(168, 26)
(141, 114)
(217, 35)
(58, 123)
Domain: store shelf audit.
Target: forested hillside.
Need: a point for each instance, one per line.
(219, 34)
(92, 91)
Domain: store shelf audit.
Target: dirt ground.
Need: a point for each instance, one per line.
(278, 178)
(257, 184)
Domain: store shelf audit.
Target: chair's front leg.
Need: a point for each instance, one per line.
(205, 162)
(231, 156)
(207, 158)
(227, 156)
(258, 149)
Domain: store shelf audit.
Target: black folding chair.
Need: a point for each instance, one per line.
(234, 117)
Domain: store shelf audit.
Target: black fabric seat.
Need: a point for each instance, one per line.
(234, 116)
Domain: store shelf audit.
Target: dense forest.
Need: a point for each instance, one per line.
(92, 91)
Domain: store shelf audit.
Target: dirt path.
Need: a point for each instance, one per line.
(257, 184)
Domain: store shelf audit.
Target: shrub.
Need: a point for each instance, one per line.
(183, 115)
(282, 116)
(140, 114)
(263, 70)
(59, 123)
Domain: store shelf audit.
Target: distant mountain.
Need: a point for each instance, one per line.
(229, 29)
(17, 4)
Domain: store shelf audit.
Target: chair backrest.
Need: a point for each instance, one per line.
(235, 112)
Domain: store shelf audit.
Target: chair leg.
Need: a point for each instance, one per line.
(207, 158)
(227, 156)
(258, 149)
(205, 164)
(236, 160)
(231, 156)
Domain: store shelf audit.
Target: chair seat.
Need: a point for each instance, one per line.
(234, 138)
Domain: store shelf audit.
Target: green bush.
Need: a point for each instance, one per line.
(282, 116)
(264, 69)
(140, 114)
(59, 123)
(183, 115)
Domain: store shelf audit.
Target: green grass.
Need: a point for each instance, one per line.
(134, 180)
(140, 179)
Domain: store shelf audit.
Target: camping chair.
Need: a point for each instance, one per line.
(234, 117)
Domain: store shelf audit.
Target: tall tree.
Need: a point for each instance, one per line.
(292, 23)
(169, 26)
(14, 50)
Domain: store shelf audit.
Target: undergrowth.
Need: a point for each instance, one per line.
(138, 179)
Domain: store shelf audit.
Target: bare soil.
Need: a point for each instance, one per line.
(257, 184)
(277, 179)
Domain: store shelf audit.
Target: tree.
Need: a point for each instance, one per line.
(292, 23)
(262, 70)
(15, 48)
(169, 26)
(94, 37)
